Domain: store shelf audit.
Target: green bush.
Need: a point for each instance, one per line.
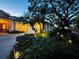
(24, 42)
(38, 47)
(44, 48)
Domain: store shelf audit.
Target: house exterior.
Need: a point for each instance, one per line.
(47, 27)
(7, 24)
(10, 23)
(44, 27)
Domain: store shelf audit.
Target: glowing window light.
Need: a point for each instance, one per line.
(6, 24)
(1, 21)
(21, 27)
(3, 26)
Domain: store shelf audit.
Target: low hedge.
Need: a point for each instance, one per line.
(50, 47)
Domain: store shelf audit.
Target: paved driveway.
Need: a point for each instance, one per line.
(6, 43)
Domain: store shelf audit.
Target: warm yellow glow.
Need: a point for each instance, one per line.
(22, 27)
(44, 34)
(35, 35)
(5, 23)
(17, 54)
(41, 25)
(38, 27)
(3, 26)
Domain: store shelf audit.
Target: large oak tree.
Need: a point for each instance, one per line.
(54, 12)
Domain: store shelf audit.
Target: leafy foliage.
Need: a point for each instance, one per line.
(35, 47)
(76, 22)
(60, 12)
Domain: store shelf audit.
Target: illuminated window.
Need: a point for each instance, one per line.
(3, 26)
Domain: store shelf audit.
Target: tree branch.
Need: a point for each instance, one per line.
(70, 3)
(59, 15)
(73, 14)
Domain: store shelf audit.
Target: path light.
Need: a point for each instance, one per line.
(58, 33)
(16, 54)
(61, 35)
(35, 35)
(45, 34)
(70, 41)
